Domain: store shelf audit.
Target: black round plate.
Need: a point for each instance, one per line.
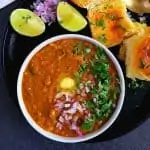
(16, 48)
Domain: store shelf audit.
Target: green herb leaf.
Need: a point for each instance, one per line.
(88, 124)
(104, 111)
(100, 55)
(142, 64)
(77, 49)
(115, 92)
(83, 67)
(103, 38)
(87, 50)
(90, 104)
(80, 49)
(26, 18)
(101, 23)
(107, 5)
(133, 84)
(78, 75)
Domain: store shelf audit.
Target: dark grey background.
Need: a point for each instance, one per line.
(16, 134)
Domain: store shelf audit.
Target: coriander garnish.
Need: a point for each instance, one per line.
(82, 68)
(80, 49)
(77, 49)
(101, 23)
(26, 18)
(134, 84)
(101, 104)
(103, 38)
(88, 124)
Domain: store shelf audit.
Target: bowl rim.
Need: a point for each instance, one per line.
(50, 135)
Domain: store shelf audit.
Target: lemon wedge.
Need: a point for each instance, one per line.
(27, 23)
(69, 18)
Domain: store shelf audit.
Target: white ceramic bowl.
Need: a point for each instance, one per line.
(61, 138)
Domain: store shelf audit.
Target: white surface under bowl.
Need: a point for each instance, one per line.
(54, 136)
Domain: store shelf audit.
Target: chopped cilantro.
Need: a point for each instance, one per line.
(80, 49)
(101, 103)
(104, 111)
(88, 124)
(114, 93)
(107, 5)
(142, 64)
(83, 68)
(87, 50)
(133, 84)
(103, 38)
(78, 75)
(77, 49)
(101, 23)
(90, 104)
(26, 18)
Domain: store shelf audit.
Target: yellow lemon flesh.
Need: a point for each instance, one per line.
(69, 18)
(26, 23)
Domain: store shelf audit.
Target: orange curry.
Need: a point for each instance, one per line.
(70, 87)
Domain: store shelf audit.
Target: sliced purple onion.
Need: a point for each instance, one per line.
(46, 10)
(68, 98)
(59, 95)
(61, 119)
(79, 108)
(59, 125)
(81, 86)
(72, 111)
(75, 118)
(59, 106)
(87, 90)
(76, 129)
(67, 117)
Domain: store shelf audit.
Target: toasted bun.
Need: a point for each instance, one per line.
(109, 18)
(135, 47)
(81, 3)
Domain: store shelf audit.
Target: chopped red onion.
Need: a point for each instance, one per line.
(76, 129)
(59, 95)
(71, 111)
(79, 108)
(46, 10)
(67, 105)
(78, 91)
(89, 115)
(59, 106)
(74, 105)
(67, 117)
(81, 86)
(83, 93)
(94, 99)
(68, 98)
(61, 119)
(114, 105)
(79, 133)
(87, 90)
(75, 118)
(59, 125)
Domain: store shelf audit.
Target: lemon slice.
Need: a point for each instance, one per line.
(69, 18)
(27, 23)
